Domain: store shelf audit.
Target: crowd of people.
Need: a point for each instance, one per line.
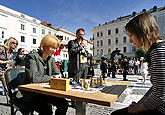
(125, 66)
(40, 66)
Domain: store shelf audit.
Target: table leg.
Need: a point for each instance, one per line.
(80, 108)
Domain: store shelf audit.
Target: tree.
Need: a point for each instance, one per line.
(140, 53)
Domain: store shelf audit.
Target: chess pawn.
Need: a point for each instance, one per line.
(82, 85)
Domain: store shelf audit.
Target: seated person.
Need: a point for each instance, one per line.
(40, 68)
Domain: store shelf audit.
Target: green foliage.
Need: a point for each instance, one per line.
(140, 53)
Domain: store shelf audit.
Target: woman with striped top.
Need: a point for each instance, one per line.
(143, 31)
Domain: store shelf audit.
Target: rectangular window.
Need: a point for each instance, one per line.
(116, 31)
(49, 32)
(101, 43)
(109, 32)
(116, 41)
(34, 41)
(43, 31)
(124, 39)
(109, 51)
(101, 33)
(98, 52)
(22, 27)
(101, 51)
(22, 38)
(97, 34)
(3, 34)
(109, 41)
(125, 49)
(97, 43)
(34, 30)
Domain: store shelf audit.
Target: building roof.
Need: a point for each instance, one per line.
(47, 24)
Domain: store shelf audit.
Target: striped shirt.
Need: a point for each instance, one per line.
(156, 97)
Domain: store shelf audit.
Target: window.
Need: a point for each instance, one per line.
(98, 52)
(116, 31)
(3, 34)
(101, 42)
(22, 38)
(43, 31)
(22, 27)
(109, 32)
(101, 51)
(101, 33)
(116, 41)
(34, 41)
(97, 43)
(49, 32)
(125, 49)
(109, 51)
(124, 39)
(34, 30)
(54, 34)
(97, 34)
(109, 41)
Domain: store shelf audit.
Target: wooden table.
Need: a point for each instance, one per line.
(80, 97)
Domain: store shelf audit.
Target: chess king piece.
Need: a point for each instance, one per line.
(101, 81)
(84, 82)
(98, 83)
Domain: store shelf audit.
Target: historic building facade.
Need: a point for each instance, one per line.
(111, 35)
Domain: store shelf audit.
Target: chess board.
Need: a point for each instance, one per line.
(77, 87)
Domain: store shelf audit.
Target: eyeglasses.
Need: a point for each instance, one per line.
(14, 43)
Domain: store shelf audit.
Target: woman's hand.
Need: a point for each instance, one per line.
(136, 108)
(132, 107)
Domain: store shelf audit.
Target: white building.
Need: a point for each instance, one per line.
(111, 35)
(21, 26)
(29, 31)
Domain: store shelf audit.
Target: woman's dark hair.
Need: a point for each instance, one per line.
(145, 27)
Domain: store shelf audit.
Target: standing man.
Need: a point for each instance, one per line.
(125, 67)
(75, 48)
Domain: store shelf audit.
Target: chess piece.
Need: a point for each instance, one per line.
(104, 81)
(98, 83)
(82, 85)
(101, 81)
(93, 83)
(84, 82)
(87, 88)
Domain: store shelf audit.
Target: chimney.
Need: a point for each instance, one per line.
(49, 24)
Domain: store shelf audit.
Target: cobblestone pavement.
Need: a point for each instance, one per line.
(133, 93)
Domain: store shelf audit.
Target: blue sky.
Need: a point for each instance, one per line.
(73, 14)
